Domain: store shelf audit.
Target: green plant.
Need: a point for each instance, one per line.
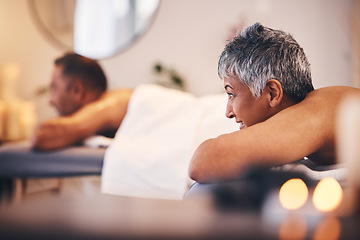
(169, 77)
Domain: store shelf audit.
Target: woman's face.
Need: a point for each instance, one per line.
(243, 106)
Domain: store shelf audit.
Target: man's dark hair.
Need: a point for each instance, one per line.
(88, 70)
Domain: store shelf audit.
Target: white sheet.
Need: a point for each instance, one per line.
(151, 151)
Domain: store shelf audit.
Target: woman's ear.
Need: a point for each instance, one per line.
(275, 92)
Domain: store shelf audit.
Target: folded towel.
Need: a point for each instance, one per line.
(97, 141)
(150, 154)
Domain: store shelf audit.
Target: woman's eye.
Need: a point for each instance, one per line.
(230, 95)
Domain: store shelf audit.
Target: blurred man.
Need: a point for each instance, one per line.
(78, 92)
(76, 81)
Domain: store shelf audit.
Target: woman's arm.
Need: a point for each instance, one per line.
(293, 133)
(103, 114)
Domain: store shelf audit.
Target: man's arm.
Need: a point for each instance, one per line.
(105, 113)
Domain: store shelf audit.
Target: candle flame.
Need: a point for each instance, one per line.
(327, 195)
(293, 194)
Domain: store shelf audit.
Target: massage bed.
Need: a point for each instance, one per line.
(18, 162)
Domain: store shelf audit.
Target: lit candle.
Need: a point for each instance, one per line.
(2, 120)
(27, 119)
(12, 130)
(9, 76)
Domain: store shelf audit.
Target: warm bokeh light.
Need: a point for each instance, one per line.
(329, 229)
(293, 227)
(293, 194)
(327, 195)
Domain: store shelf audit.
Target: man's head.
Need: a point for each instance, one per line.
(76, 81)
(262, 60)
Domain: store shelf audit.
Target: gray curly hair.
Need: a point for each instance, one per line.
(259, 54)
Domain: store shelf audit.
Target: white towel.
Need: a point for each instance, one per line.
(150, 154)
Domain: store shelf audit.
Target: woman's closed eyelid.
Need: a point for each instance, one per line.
(230, 95)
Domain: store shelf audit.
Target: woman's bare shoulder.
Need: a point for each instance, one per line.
(334, 92)
(327, 98)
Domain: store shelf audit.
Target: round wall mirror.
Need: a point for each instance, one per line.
(93, 28)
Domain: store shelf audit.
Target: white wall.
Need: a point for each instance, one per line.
(189, 35)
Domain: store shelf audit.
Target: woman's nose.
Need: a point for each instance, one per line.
(229, 111)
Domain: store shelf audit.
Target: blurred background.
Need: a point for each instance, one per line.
(188, 36)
